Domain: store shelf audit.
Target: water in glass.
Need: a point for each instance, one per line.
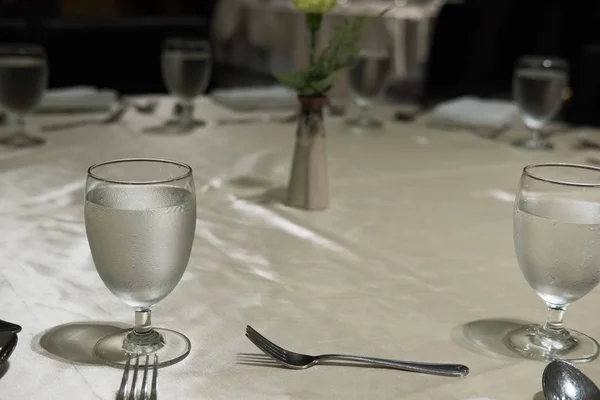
(368, 76)
(22, 83)
(539, 94)
(141, 238)
(186, 73)
(559, 256)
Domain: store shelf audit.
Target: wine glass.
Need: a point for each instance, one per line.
(557, 242)
(540, 85)
(186, 67)
(367, 79)
(140, 219)
(23, 79)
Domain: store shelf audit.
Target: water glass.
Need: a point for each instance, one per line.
(23, 79)
(367, 79)
(557, 243)
(540, 84)
(140, 219)
(186, 68)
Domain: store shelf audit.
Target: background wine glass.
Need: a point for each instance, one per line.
(140, 219)
(23, 79)
(539, 84)
(186, 68)
(367, 80)
(557, 243)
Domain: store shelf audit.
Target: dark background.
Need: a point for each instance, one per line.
(116, 43)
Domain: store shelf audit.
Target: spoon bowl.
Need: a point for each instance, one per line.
(563, 381)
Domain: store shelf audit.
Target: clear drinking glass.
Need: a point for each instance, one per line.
(367, 80)
(540, 85)
(557, 243)
(140, 219)
(23, 79)
(186, 68)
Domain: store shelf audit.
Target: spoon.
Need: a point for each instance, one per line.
(562, 381)
(6, 326)
(8, 342)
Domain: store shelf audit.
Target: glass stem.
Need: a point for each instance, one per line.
(143, 322)
(364, 112)
(187, 110)
(554, 319)
(537, 135)
(20, 126)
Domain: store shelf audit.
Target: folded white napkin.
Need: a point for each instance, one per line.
(487, 117)
(77, 99)
(256, 98)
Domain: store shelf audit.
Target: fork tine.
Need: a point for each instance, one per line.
(123, 387)
(153, 393)
(144, 389)
(267, 342)
(266, 350)
(134, 379)
(264, 339)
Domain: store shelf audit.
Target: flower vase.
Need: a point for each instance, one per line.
(308, 187)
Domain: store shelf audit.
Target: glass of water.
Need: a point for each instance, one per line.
(540, 85)
(23, 79)
(140, 219)
(186, 68)
(367, 80)
(557, 243)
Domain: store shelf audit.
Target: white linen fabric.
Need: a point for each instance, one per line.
(413, 260)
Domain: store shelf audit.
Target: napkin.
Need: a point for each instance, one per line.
(486, 117)
(256, 98)
(77, 99)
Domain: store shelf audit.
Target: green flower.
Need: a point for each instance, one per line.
(315, 6)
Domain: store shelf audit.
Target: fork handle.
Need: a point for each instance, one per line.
(456, 370)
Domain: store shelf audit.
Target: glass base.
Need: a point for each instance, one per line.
(114, 348)
(364, 122)
(533, 144)
(21, 140)
(532, 341)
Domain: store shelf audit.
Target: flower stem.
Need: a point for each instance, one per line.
(313, 22)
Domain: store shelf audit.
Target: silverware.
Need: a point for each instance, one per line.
(9, 326)
(259, 118)
(8, 342)
(145, 106)
(303, 361)
(129, 391)
(115, 114)
(562, 381)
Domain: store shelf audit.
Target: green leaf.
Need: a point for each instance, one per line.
(295, 80)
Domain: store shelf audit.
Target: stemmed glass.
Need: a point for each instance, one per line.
(557, 242)
(23, 79)
(367, 80)
(186, 67)
(540, 85)
(140, 219)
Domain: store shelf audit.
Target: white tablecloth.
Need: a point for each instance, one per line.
(413, 260)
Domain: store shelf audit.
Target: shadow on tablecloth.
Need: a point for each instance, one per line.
(73, 343)
(487, 337)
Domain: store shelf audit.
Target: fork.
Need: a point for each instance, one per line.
(294, 360)
(125, 394)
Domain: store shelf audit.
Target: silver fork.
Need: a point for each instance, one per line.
(128, 391)
(294, 360)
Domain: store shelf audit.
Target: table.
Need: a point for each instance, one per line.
(413, 260)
